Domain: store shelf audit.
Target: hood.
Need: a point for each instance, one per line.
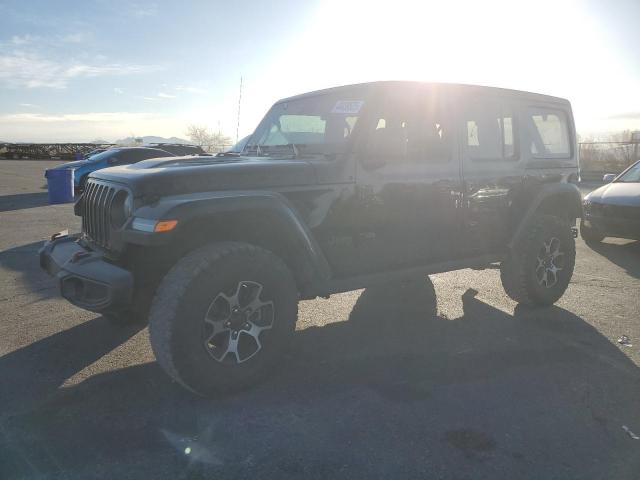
(182, 175)
(70, 165)
(617, 193)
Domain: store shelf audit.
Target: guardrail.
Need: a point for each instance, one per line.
(63, 151)
(70, 151)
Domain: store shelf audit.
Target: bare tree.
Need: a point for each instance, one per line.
(211, 142)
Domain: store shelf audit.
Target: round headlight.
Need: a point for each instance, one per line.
(121, 208)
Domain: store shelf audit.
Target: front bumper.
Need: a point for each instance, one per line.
(614, 226)
(86, 279)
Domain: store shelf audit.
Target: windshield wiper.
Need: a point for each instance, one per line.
(268, 150)
(295, 148)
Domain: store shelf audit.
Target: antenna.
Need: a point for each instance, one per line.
(239, 101)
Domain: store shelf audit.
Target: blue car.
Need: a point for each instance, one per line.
(109, 158)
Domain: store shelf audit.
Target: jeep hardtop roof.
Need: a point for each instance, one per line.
(393, 84)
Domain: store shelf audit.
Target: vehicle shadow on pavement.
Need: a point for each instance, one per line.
(20, 201)
(397, 391)
(25, 261)
(625, 255)
(31, 377)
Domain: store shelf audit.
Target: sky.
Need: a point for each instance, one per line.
(104, 69)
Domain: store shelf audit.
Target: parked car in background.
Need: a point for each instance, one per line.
(94, 152)
(613, 210)
(179, 148)
(109, 158)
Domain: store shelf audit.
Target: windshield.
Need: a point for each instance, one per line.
(316, 124)
(632, 175)
(106, 155)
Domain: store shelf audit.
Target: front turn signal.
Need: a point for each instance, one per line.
(165, 225)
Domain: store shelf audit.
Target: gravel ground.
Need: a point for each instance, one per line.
(444, 379)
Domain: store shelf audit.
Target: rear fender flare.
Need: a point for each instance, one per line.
(546, 192)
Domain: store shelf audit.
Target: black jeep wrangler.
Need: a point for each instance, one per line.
(335, 190)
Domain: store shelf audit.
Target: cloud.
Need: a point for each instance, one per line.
(75, 117)
(165, 95)
(144, 10)
(77, 37)
(77, 127)
(21, 40)
(28, 105)
(117, 90)
(148, 99)
(22, 69)
(625, 116)
(195, 90)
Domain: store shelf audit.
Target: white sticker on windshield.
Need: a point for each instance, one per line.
(347, 106)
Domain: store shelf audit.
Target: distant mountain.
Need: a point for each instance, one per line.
(151, 139)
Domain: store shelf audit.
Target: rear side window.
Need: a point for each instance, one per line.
(489, 132)
(549, 132)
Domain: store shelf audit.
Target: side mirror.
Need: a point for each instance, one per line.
(608, 178)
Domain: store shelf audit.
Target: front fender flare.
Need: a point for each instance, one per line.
(187, 208)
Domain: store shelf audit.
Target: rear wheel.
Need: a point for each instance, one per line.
(540, 267)
(590, 234)
(222, 316)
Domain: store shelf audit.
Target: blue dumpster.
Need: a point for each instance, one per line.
(60, 185)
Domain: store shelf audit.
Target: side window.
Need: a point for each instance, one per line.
(549, 133)
(148, 155)
(407, 129)
(489, 132)
(133, 156)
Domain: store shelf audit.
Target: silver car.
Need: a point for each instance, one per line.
(613, 210)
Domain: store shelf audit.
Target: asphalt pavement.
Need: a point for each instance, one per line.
(440, 379)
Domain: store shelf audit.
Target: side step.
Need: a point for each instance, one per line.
(339, 285)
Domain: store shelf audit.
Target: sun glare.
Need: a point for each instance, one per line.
(544, 46)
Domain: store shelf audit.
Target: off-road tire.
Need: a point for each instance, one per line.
(184, 297)
(590, 235)
(518, 271)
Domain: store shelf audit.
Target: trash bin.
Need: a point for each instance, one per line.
(60, 185)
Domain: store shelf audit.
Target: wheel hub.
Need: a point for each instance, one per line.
(550, 261)
(235, 323)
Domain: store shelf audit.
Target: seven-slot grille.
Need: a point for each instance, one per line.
(96, 212)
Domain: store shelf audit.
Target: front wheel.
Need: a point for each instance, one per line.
(222, 316)
(540, 267)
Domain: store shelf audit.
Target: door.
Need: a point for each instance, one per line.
(492, 169)
(408, 184)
